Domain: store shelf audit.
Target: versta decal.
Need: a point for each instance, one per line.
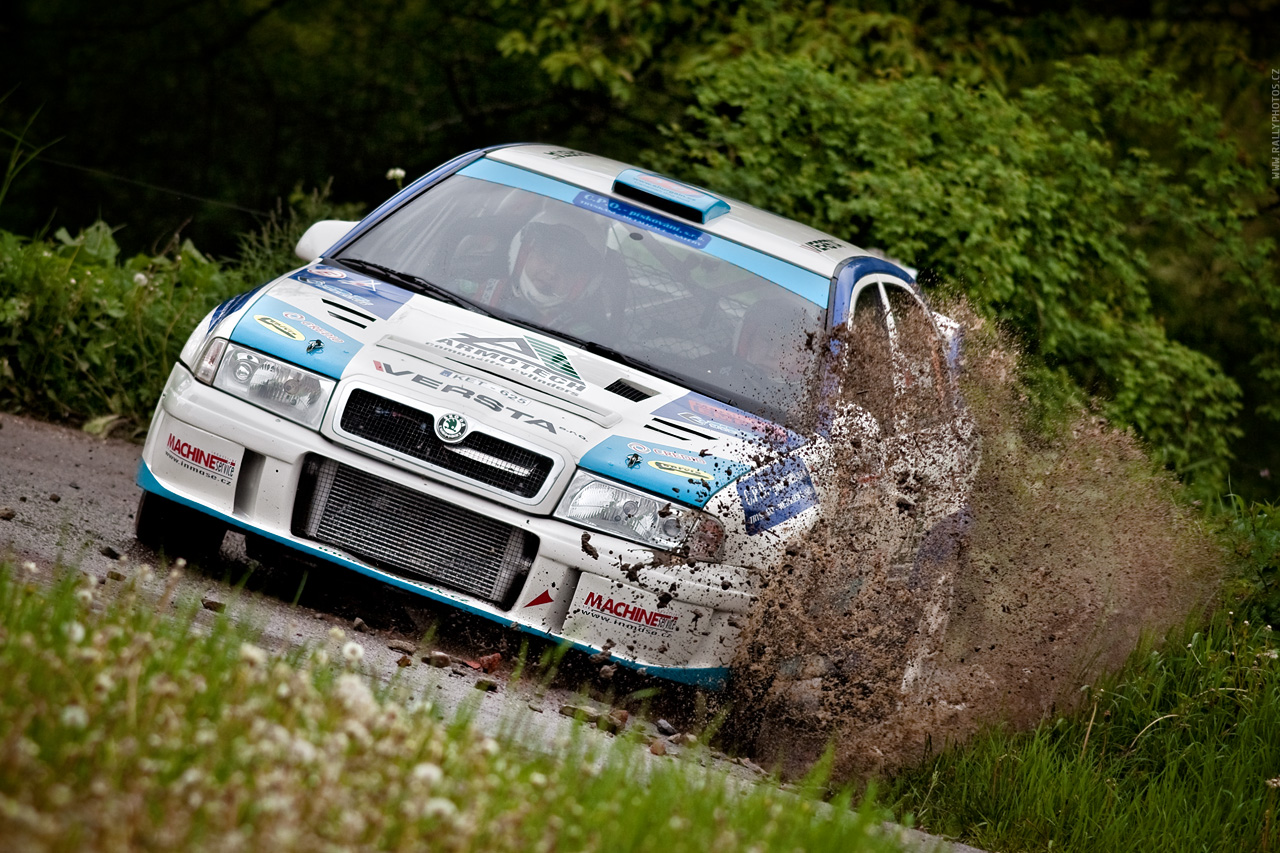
(463, 391)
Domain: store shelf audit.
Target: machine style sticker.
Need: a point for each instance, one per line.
(200, 461)
(276, 328)
(775, 494)
(508, 405)
(377, 297)
(537, 360)
(671, 472)
(606, 607)
(728, 421)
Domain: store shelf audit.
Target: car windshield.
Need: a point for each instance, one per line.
(616, 279)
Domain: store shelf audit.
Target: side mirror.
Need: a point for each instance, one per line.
(320, 237)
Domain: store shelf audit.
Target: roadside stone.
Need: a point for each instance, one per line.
(7, 513)
(488, 685)
(438, 659)
(490, 663)
(609, 724)
(535, 707)
(684, 739)
(666, 728)
(358, 624)
(211, 603)
(404, 661)
(402, 646)
(587, 715)
(109, 552)
(55, 498)
(658, 747)
(114, 575)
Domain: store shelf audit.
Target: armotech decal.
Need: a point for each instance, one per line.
(280, 327)
(539, 361)
(636, 618)
(202, 462)
(466, 393)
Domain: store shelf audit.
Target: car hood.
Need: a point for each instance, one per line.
(519, 384)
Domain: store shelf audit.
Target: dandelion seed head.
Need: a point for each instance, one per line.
(336, 634)
(395, 174)
(75, 632)
(252, 655)
(30, 567)
(439, 807)
(74, 717)
(140, 279)
(537, 780)
(489, 746)
(428, 773)
(353, 652)
(84, 595)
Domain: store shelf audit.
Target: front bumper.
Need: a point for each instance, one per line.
(249, 468)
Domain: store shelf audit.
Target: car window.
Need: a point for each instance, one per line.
(547, 263)
(869, 373)
(923, 395)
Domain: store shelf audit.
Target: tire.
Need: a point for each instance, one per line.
(176, 530)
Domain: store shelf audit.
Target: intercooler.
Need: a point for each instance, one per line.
(410, 534)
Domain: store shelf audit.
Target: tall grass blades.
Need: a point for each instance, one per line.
(1179, 752)
(129, 721)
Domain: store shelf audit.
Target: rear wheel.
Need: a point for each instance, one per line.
(177, 530)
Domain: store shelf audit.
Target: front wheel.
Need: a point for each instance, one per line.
(177, 530)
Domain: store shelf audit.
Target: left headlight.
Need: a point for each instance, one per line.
(274, 385)
(630, 514)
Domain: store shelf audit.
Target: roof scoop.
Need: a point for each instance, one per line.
(669, 196)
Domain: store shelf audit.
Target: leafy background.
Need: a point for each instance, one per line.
(1098, 177)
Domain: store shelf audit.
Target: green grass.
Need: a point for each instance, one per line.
(127, 721)
(1180, 751)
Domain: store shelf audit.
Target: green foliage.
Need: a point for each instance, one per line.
(1025, 203)
(1176, 753)
(1253, 532)
(268, 251)
(83, 333)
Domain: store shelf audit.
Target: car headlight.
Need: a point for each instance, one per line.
(274, 385)
(641, 517)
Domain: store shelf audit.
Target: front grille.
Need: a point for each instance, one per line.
(478, 456)
(410, 534)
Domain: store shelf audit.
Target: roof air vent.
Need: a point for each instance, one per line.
(669, 196)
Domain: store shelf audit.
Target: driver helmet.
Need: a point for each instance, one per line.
(554, 262)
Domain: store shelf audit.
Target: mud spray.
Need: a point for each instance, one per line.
(941, 598)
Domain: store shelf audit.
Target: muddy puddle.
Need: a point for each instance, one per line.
(975, 573)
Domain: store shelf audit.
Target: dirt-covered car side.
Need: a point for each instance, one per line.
(569, 396)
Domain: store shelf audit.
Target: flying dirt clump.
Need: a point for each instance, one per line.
(947, 593)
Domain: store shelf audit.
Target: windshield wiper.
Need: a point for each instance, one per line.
(414, 282)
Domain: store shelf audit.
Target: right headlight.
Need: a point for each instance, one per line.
(641, 517)
(272, 384)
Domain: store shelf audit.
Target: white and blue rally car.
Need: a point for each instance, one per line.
(562, 393)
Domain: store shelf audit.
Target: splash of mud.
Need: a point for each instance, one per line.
(939, 598)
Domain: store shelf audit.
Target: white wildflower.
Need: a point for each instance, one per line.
(354, 694)
(74, 717)
(428, 773)
(439, 807)
(84, 595)
(104, 683)
(321, 657)
(336, 634)
(180, 563)
(353, 652)
(1274, 783)
(140, 279)
(252, 655)
(395, 174)
(75, 632)
(537, 780)
(303, 751)
(489, 746)
(30, 567)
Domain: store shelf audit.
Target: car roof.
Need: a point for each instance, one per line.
(775, 235)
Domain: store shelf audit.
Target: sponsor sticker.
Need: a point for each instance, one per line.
(319, 330)
(376, 297)
(726, 420)
(624, 212)
(280, 327)
(680, 470)
(539, 361)
(776, 493)
(673, 472)
(196, 459)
